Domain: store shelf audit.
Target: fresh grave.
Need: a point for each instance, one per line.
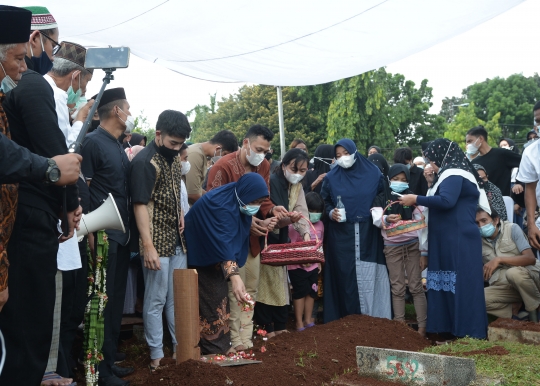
(315, 356)
(510, 330)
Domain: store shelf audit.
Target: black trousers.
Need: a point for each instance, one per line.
(74, 299)
(27, 318)
(117, 270)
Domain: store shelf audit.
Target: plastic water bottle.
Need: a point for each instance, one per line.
(340, 208)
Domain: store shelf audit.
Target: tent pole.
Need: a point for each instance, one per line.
(281, 124)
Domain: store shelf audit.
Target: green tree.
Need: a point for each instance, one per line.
(378, 108)
(450, 107)
(143, 127)
(465, 120)
(201, 112)
(512, 97)
(258, 105)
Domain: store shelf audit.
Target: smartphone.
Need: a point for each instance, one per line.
(109, 57)
(397, 194)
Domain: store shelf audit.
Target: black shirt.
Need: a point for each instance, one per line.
(499, 164)
(31, 113)
(106, 165)
(19, 164)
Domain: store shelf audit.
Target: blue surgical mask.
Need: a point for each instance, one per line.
(42, 64)
(315, 217)
(398, 186)
(73, 97)
(487, 230)
(248, 210)
(408, 166)
(8, 84)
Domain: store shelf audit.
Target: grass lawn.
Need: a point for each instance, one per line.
(520, 367)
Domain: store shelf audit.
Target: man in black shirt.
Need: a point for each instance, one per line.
(497, 162)
(417, 182)
(105, 165)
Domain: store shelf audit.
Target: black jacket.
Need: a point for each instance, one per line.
(418, 183)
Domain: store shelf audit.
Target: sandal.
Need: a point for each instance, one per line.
(310, 325)
(153, 369)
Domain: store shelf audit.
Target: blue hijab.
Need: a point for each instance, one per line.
(216, 231)
(357, 185)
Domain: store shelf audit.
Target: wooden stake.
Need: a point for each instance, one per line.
(186, 314)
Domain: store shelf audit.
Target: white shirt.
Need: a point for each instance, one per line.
(529, 168)
(184, 197)
(68, 257)
(62, 110)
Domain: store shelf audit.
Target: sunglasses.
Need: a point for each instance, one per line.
(56, 45)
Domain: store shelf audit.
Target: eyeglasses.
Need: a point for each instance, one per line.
(56, 45)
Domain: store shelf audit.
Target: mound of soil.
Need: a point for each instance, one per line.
(312, 357)
(511, 324)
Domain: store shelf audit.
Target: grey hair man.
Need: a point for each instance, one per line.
(68, 79)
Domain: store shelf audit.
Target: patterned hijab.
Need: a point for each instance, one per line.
(447, 155)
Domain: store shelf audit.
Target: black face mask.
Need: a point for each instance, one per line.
(93, 125)
(268, 156)
(121, 138)
(169, 154)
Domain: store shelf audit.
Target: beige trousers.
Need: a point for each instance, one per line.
(399, 260)
(516, 286)
(241, 322)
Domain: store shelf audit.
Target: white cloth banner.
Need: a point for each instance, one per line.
(279, 42)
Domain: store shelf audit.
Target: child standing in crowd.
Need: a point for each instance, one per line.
(403, 252)
(304, 278)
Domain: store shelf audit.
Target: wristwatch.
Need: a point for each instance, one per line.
(52, 175)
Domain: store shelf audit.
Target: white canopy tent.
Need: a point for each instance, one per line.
(279, 42)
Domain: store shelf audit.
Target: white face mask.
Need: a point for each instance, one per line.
(472, 148)
(129, 122)
(253, 158)
(186, 166)
(346, 161)
(293, 178)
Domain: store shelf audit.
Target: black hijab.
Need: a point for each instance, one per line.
(323, 151)
(386, 197)
(380, 162)
(135, 140)
(376, 148)
(447, 155)
(511, 143)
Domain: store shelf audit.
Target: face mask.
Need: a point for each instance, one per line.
(216, 158)
(472, 148)
(315, 217)
(506, 147)
(186, 166)
(293, 178)
(8, 84)
(268, 156)
(333, 165)
(80, 104)
(420, 166)
(248, 210)
(129, 122)
(408, 166)
(346, 161)
(74, 96)
(94, 125)
(398, 186)
(530, 142)
(487, 230)
(169, 154)
(42, 64)
(253, 158)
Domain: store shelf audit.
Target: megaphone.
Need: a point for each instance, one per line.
(106, 216)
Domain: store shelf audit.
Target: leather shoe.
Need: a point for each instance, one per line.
(122, 372)
(112, 380)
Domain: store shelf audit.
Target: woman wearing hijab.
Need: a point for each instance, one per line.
(324, 157)
(217, 236)
(271, 310)
(455, 280)
(494, 195)
(380, 162)
(374, 150)
(356, 279)
(136, 139)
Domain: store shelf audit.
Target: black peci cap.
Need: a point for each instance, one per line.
(14, 25)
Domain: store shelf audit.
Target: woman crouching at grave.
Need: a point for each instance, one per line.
(271, 310)
(217, 242)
